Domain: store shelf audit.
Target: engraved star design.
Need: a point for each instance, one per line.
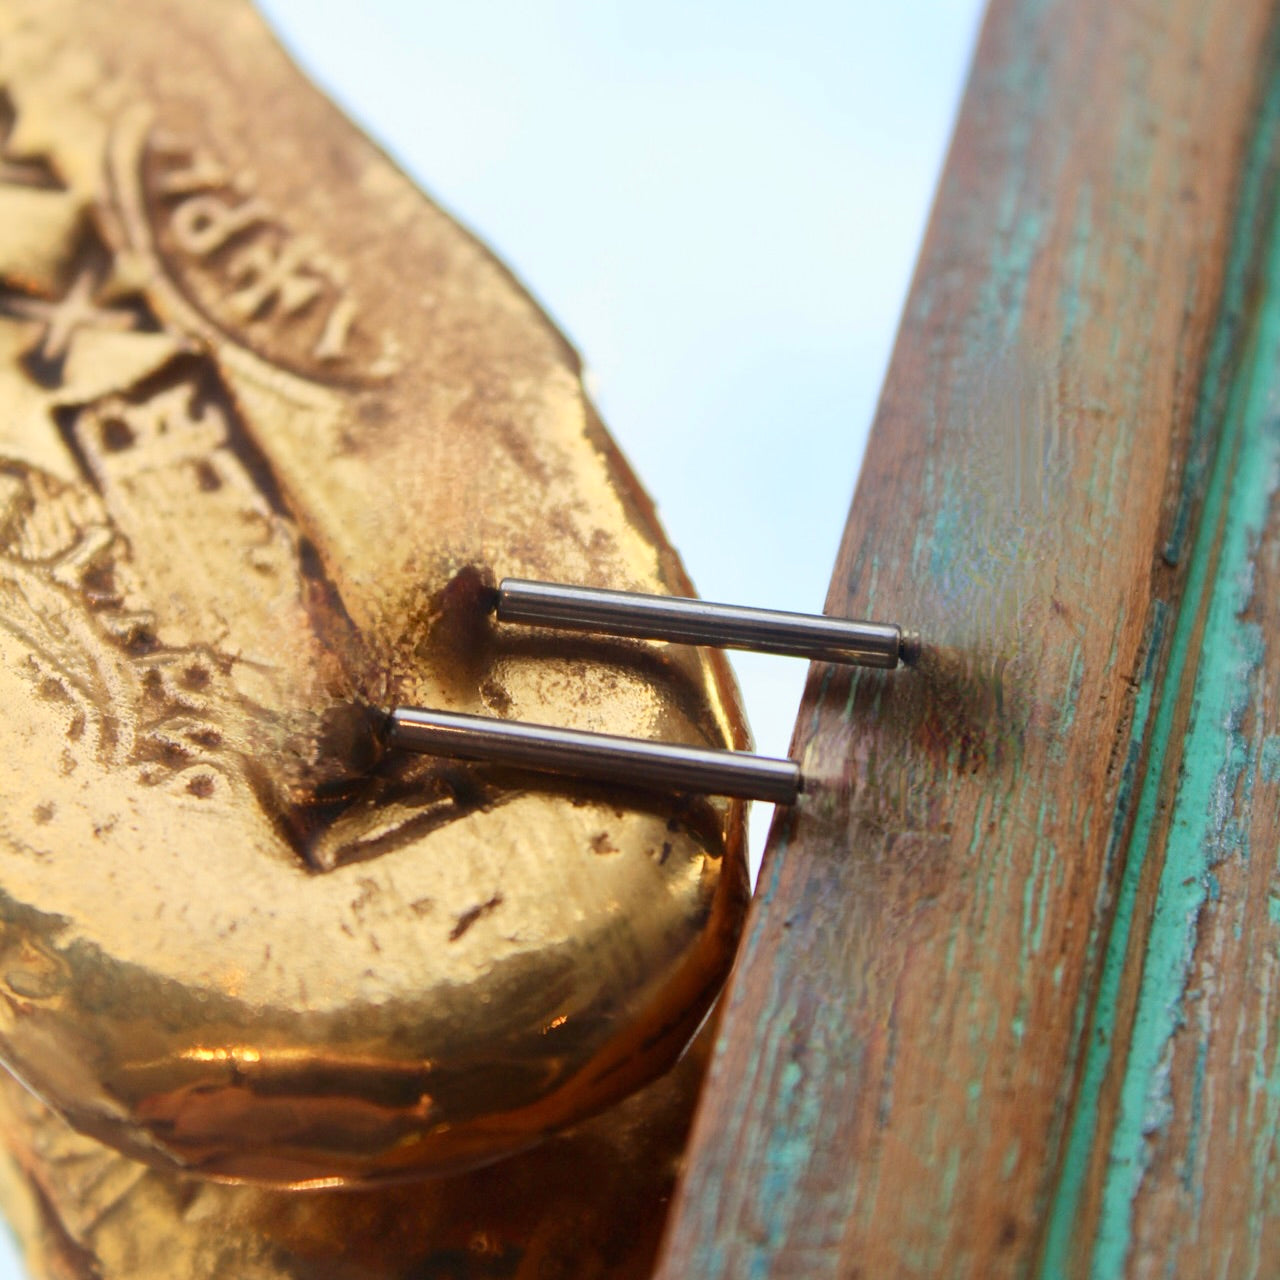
(63, 318)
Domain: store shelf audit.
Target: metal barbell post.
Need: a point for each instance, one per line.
(687, 621)
(599, 757)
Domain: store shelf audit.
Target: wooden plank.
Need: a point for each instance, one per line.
(930, 966)
(1171, 1167)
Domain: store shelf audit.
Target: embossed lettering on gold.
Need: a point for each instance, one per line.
(258, 269)
(204, 223)
(277, 278)
(121, 440)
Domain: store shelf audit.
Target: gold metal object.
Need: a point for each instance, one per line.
(271, 426)
(587, 1204)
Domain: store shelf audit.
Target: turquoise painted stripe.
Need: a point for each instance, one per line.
(1216, 759)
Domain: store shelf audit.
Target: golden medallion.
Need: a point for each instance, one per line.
(270, 423)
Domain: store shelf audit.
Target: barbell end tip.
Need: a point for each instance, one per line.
(909, 648)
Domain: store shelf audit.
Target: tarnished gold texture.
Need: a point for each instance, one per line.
(270, 424)
(588, 1204)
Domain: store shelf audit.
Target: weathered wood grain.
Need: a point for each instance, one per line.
(1171, 1168)
(939, 1057)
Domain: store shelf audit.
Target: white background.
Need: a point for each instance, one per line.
(719, 202)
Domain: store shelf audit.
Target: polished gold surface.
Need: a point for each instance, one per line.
(588, 1204)
(269, 422)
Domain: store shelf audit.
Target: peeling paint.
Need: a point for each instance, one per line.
(1212, 787)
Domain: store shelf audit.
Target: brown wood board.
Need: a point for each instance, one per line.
(962, 1002)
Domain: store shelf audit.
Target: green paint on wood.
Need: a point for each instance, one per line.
(1245, 477)
(1075, 306)
(1269, 759)
(1062, 1225)
(1212, 763)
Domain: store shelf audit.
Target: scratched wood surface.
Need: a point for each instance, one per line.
(1009, 1003)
